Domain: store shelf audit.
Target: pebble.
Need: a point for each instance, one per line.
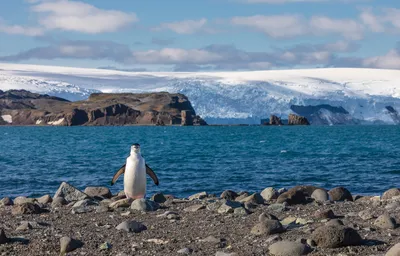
(144, 205)
(225, 254)
(200, 195)
(394, 251)
(67, 244)
(24, 226)
(169, 215)
(105, 246)
(385, 221)
(210, 239)
(131, 226)
(98, 192)
(194, 208)
(267, 227)
(81, 209)
(320, 195)
(288, 248)
(158, 198)
(185, 251)
(46, 199)
(269, 194)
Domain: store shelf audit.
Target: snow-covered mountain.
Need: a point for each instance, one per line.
(232, 97)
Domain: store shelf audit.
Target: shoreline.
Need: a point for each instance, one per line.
(304, 220)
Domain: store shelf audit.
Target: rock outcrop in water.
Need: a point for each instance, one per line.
(297, 120)
(20, 107)
(324, 114)
(274, 120)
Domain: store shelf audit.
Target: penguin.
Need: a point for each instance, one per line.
(135, 170)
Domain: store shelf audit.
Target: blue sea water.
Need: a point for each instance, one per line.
(365, 159)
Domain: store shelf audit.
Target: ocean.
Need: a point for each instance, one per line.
(364, 159)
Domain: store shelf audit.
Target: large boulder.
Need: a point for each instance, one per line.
(320, 195)
(292, 197)
(269, 194)
(70, 193)
(391, 193)
(229, 195)
(334, 236)
(385, 221)
(340, 194)
(144, 205)
(394, 251)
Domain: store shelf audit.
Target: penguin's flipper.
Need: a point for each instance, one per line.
(152, 174)
(117, 174)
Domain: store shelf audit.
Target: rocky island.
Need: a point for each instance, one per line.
(21, 107)
(304, 220)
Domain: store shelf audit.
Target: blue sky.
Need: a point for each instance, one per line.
(192, 35)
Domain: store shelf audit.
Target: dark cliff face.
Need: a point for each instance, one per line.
(324, 114)
(25, 108)
(393, 114)
(297, 120)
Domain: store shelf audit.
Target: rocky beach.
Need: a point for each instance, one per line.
(303, 220)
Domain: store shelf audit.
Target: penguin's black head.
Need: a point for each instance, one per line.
(135, 147)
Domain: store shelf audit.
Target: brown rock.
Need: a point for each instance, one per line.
(229, 195)
(255, 198)
(26, 208)
(45, 199)
(6, 201)
(100, 192)
(23, 200)
(385, 222)
(267, 227)
(274, 120)
(297, 120)
(292, 197)
(391, 193)
(340, 194)
(334, 236)
(324, 214)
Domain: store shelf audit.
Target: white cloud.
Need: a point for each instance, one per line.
(391, 61)
(21, 30)
(348, 28)
(276, 26)
(81, 17)
(175, 56)
(388, 19)
(371, 21)
(298, 1)
(186, 26)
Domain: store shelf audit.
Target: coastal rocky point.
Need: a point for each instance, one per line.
(303, 220)
(21, 107)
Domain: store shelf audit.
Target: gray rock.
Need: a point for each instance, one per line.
(320, 195)
(366, 214)
(200, 195)
(229, 206)
(288, 248)
(240, 211)
(255, 198)
(70, 193)
(334, 236)
(158, 198)
(67, 244)
(334, 222)
(3, 237)
(273, 239)
(102, 209)
(266, 216)
(292, 197)
(58, 202)
(389, 194)
(169, 215)
(25, 225)
(324, 214)
(269, 194)
(185, 251)
(211, 239)
(340, 194)
(98, 192)
(392, 206)
(229, 195)
(225, 254)
(213, 206)
(394, 250)
(385, 222)
(122, 203)
(26, 208)
(242, 195)
(81, 209)
(46, 199)
(267, 227)
(84, 203)
(131, 226)
(6, 201)
(144, 205)
(195, 208)
(277, 207)
(22, 200)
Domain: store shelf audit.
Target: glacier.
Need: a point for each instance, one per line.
(227, 97)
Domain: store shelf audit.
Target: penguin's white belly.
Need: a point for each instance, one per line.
(135, 178)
